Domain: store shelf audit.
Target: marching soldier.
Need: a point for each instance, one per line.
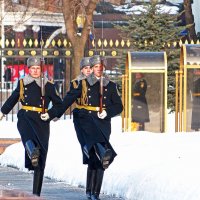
(86, 70)
(140, 112)
(33, 125)
(92, 119)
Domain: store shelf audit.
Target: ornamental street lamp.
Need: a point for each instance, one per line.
(80, 21)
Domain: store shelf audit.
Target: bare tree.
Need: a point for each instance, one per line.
(71, 10)
(189, 18)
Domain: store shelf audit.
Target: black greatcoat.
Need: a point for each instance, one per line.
(29, 124)
(140, 111)
(89, 128)
(195, 122)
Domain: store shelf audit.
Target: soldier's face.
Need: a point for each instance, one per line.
(138, 75)
(87, 70)
(35, 71)
(98, 70)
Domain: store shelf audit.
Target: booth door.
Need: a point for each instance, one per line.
(147, 102)
(193, 100)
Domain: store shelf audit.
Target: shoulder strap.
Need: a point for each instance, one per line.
(21, 91)
(84, 99)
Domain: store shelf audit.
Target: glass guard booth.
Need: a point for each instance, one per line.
(188, 89)
(144, 92)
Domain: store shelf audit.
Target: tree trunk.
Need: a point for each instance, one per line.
(189, 18)
(78, 55)
(71, 9)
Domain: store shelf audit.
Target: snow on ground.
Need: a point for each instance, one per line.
(149, 166)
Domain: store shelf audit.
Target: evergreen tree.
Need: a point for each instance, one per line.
(153, 30)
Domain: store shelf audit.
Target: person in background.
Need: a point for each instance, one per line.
(92, 126)
(140, 111)
(195, 121)
(33, 126)
(7, 77)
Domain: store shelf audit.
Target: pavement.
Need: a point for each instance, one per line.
(15, 181)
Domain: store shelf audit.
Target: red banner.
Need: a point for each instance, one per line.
(19, 71)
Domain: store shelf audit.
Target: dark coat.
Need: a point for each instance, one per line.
(195, 122)
(7, 75)
(140, 111)
(29, 124)
(89, 128)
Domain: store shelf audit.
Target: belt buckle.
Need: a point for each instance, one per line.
(33, 108)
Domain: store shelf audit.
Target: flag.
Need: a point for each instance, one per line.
(91, 36)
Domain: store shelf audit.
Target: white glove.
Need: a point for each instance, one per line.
(1, 115)
(44, 116)
(102, 115)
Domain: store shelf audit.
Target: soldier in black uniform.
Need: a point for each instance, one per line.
(33, 126)
(140, 111)
(86, 70)
(195, 122)
(94, 128)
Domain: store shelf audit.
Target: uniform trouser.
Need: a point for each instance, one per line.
(98, 182)
(94, 182)
(95, 174)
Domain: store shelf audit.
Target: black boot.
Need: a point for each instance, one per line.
(141, 126)
(33, 152)
(97, 184)
(104, 154)
(37, 181)
(89, 181)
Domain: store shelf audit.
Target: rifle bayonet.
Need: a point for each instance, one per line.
(42, 77)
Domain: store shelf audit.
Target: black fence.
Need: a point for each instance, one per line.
(58, 62)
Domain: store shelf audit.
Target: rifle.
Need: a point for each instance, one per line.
(42, 77)
(42, 85)
(101, 90)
